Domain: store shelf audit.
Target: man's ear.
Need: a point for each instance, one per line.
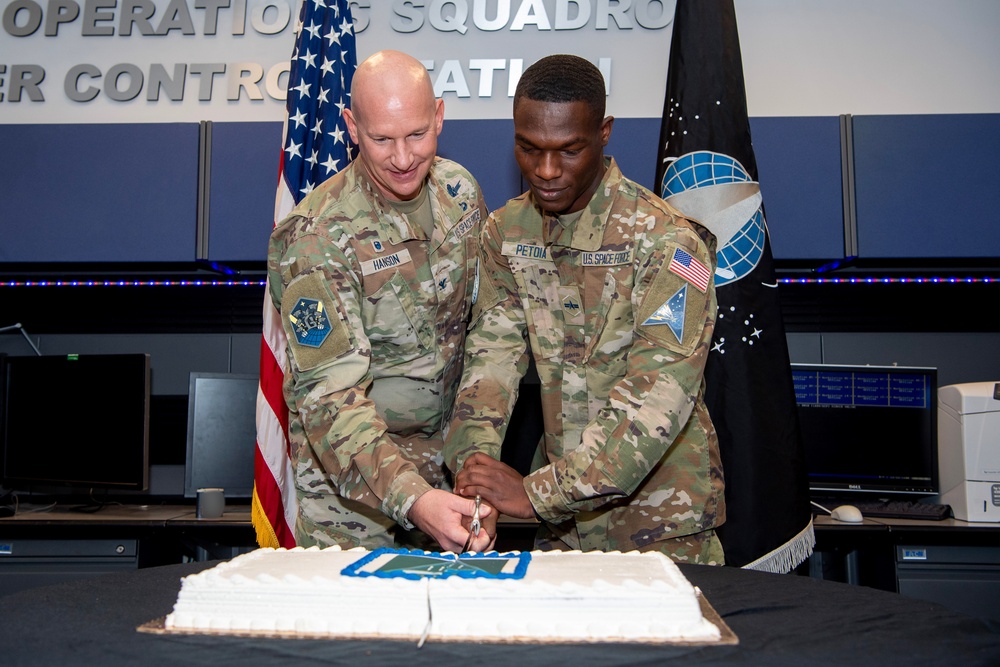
(606, 129)
(438, 116)
(352, 125)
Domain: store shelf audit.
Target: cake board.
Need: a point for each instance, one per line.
(727, 636)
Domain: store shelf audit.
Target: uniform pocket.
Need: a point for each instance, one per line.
(391, 323)
(614, 329)
(538, 284)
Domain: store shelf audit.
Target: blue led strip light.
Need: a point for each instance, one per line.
(887, 281)
(969, 280)
(132, 283)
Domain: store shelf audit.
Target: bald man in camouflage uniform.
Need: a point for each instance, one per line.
(374, 276)
(613, 290)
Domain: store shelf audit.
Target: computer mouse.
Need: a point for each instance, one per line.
(847, 514)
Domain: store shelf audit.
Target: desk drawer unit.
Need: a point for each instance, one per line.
(963, 578)
(29, 563)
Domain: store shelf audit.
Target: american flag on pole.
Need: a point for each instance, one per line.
(315, 146)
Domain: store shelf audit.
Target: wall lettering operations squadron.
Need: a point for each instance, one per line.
(244, 70)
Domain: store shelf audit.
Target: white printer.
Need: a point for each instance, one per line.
(969, 449)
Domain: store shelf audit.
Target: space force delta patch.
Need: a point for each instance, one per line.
(384, 263)
(671, 313)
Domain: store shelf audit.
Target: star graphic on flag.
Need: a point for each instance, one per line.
(331, 165)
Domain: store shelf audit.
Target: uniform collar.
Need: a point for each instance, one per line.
(587, 233)
(395, 225)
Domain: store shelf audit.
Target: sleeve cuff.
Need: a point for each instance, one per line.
(403, 492)
(546, 496)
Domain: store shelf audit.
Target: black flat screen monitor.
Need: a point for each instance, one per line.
(221, 433)
(868, 429)
(77, 420)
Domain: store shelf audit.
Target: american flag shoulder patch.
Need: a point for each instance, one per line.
(689, 268)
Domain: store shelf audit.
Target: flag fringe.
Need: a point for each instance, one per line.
(789, 555)
(266, 536)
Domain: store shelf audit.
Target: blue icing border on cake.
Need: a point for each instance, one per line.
(522, 558)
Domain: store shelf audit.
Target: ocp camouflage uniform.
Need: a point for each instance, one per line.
(629, 458)
(376, 315)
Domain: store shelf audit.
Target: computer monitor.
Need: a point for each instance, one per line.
(74, 422)
(869, 430)
(221, 433)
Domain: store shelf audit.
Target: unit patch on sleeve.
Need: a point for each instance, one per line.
(316, 332)
(309, 322)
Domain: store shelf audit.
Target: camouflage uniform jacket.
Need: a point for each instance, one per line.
(376, 316)
(629, 456)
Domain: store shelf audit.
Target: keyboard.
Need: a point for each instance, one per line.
(902, 509)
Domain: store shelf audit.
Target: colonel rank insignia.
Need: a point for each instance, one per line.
(310, 323)
(671, 313)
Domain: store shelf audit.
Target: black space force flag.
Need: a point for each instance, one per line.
(706, 169)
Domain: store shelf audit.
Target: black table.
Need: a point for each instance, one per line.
(779, 619)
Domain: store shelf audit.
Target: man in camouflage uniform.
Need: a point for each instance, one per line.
(374, 275)
(613, 290)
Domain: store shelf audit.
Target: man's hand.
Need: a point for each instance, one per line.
(446, 518)
(496, 483)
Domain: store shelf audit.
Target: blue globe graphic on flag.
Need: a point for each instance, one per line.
(703, 168)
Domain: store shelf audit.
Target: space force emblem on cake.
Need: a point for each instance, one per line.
(401, 563)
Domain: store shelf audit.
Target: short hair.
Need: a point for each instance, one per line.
(563, 78)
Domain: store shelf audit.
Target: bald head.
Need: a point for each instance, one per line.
(395, 121)
(390, 80)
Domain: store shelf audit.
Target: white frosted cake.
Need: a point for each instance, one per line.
(541, 596)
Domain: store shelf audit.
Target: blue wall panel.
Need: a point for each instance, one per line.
(799, 169)
(98, 193)
(245, 170)
(128, 193)
(927, 186)
(633, 144)
(485, 148)
(244, 180)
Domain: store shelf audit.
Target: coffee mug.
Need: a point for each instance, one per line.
(211, 503)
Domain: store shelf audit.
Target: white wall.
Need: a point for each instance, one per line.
(801, 57)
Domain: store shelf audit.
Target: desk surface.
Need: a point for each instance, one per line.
(823, 522)
(779, 619)
(240, 514)
(124, 515)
